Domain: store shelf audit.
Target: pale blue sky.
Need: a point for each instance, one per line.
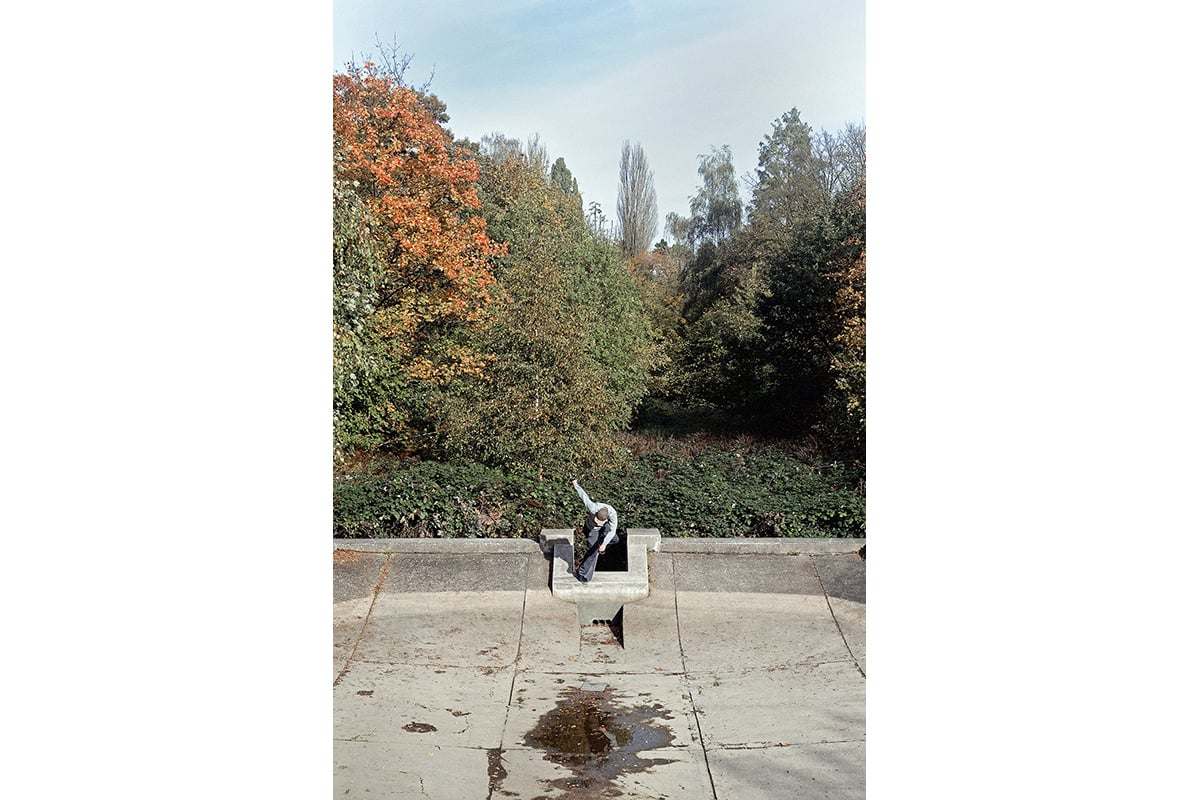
(678, 76)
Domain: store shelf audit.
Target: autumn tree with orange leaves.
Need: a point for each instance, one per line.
(413, 268)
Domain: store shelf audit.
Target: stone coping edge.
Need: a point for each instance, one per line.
(668, 545)
(442, 546)
(805, 546)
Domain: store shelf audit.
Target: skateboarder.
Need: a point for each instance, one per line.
(600, 528)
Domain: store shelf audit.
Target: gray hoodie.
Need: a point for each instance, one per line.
(610, 527)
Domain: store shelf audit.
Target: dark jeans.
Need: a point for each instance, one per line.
(588, 566)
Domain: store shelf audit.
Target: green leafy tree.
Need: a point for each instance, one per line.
(844, 424)
(799, 326)
(561, 177)
(789, 190)
(717, 206)
(773, 311)
(815, 292)
(571, 341)
(712, 357)
(657, 274)
(360, 385)
(716, 216)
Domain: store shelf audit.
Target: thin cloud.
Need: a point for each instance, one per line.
(680, 77)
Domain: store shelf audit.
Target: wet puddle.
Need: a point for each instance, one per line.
(598, 739)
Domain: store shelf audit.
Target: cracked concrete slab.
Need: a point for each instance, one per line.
(419, 769)
(448, 706)
(843, 576)
(834, 771)
(349, 616)
(726, 631)
(748, 655)
(355, 574)
(808, 703)
(480, 628)
(851, 619)
(551, 634)
(456, 572)
(750, 573)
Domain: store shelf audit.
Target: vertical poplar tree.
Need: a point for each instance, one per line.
(637, 203)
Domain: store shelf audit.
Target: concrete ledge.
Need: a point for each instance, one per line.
(603, 596)
(464, 546)
(672, 544)
(766, 546)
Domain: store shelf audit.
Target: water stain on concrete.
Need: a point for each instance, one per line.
(598, 738)
(496, 771)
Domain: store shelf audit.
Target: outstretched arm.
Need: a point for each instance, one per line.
(610, 526)
(587, 501)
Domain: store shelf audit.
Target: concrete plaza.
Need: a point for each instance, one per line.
(457, 674)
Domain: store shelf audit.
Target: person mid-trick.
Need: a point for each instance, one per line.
(600, 528)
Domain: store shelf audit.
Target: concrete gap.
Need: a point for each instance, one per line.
(832, 613)
(606, 631)
(615, 558)
(520, 638)
(691, 697)
(496, 771)
(383, 572)
(617, 626)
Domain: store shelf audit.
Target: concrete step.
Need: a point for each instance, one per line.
(606, 593)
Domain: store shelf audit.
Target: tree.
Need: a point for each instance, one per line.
(717, 207)
(597, 222)
(840, 160)
(360, 385)
(852, 142)
(430, 270)
(844, 424)
(572, 343)
(716, 218)
(716, 325)
(657, 275)
(561, 177)
(774, 310)
(813, 312)
(536, 156)
(637, 204)
(677, 227)
(791, 187)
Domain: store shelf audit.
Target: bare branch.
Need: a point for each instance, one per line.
(637, 202)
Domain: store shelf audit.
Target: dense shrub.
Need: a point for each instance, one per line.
(420, 499)
(726, 491)
(719, 492)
